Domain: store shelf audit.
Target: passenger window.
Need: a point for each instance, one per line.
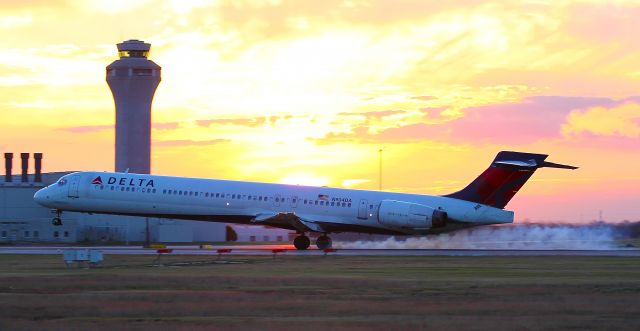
(332, 204)
(233, 196)
(349, 205)
(344, 204)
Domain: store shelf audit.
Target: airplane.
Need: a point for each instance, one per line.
(304, 209)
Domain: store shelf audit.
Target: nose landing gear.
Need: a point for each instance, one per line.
(57, 221)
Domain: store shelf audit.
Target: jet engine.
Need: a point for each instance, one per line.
(410, 215)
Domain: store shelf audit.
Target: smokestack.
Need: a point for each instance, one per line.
(25, 166)
(38, 161)
(8, 162)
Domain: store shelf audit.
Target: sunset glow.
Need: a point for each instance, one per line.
(307, 92)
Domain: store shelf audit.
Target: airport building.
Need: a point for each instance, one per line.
(23, 220)
(133, 80)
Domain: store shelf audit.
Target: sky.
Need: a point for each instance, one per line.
(308, 92)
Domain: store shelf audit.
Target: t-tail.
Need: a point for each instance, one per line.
(505, 176)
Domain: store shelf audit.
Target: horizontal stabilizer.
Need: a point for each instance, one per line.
(532, 164)
(546, 164)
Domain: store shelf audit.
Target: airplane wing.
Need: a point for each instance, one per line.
(300, 223)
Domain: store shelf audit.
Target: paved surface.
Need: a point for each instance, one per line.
(289, 250)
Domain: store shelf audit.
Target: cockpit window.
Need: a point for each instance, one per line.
(62, 181)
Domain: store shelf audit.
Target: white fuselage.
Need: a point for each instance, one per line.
(337, 210)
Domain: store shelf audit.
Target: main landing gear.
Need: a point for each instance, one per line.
(323, 242)
(303, 242)
(57, 221)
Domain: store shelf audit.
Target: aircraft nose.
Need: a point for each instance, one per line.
(41, 197)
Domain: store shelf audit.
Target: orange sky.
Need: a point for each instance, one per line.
(308, 91)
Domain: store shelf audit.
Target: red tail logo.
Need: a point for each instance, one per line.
(97, 181)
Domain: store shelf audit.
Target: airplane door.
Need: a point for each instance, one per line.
(294, 201)
(73, 186)
(362, 209)
(276, 200)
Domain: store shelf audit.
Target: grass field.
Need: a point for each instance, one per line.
(320, 293)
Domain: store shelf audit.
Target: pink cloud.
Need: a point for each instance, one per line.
(532, 119)
(528, 121)
(88, 128)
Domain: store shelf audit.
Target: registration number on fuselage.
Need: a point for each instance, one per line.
(341, 199)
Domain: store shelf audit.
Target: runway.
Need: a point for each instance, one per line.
(290, 251)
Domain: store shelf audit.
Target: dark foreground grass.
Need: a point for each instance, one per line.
(320, 293)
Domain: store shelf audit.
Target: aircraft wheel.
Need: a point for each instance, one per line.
(323, 242)
(301, 242)
(56, 221)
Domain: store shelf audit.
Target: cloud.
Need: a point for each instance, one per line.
(250, 122)
(166, 126)
(530, 120)
(13, 21)
(527, 121)
(620, 20)
(424, 98)
(88, 128)
(377, 115)
(620, 120)
(188, 142)
(103, 127)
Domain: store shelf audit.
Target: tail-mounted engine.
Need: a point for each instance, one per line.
(410, 215)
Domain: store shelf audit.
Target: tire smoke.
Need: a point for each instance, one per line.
(528, 236)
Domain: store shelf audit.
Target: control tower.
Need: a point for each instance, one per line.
(133, 80)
